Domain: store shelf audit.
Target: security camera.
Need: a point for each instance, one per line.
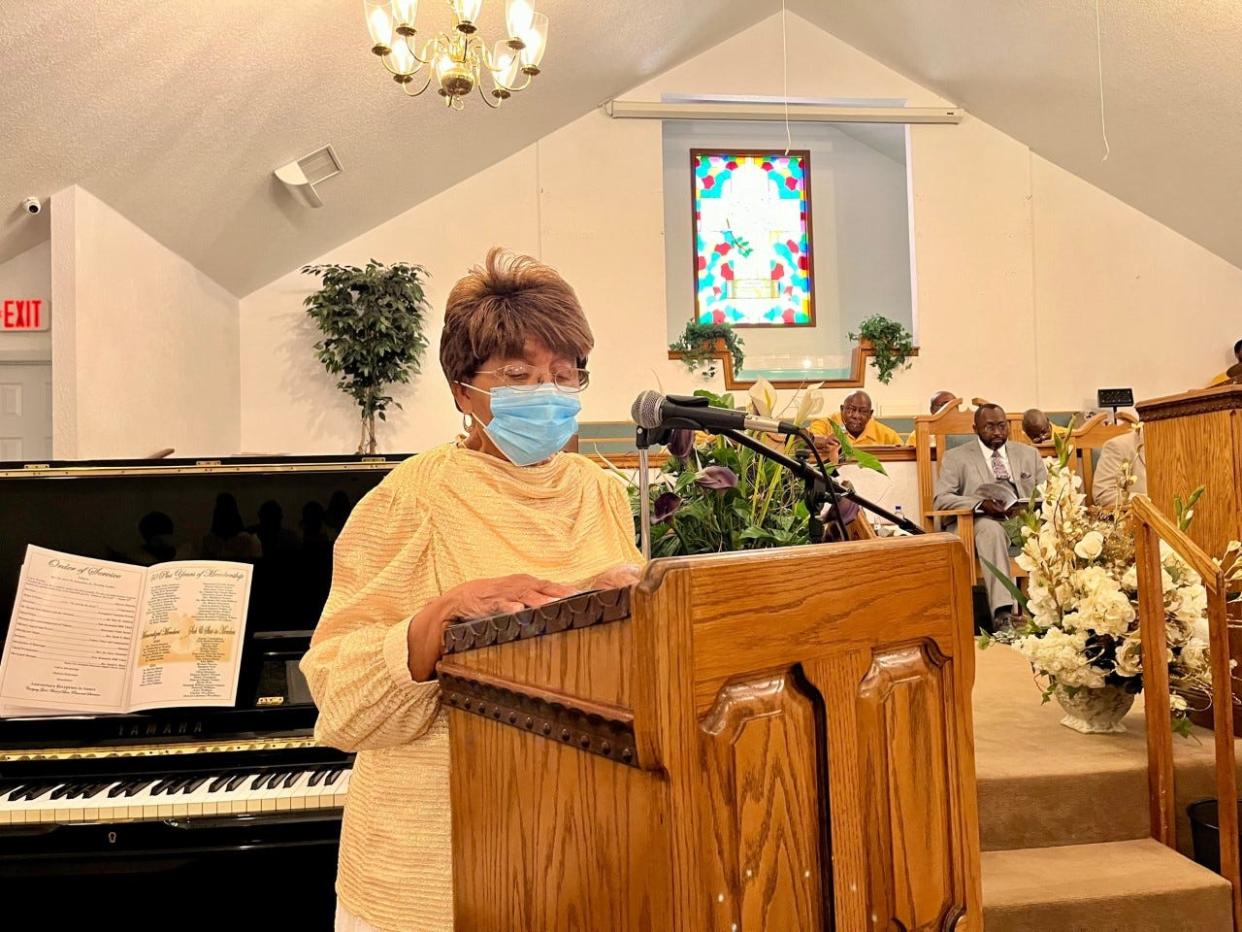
(32, 205)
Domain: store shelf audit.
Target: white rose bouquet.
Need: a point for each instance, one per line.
(1082, 627)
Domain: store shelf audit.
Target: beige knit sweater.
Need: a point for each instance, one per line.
(440, 519)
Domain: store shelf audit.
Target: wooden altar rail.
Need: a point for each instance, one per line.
(1151, 527)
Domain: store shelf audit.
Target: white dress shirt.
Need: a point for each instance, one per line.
(1004, 455)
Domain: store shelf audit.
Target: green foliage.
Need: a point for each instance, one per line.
(893, 345)
(766, 508)
(697, 344)
(1185, 509)
(742, 244)
(853, 454)
(1011, 587)
(372, 323)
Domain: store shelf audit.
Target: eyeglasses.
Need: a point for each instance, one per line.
(521, 377)
(850, 409)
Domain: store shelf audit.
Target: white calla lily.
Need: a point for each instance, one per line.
(763, 397)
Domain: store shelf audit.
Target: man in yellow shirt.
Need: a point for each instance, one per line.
(863, 429)
(1039, 429)
(1229, 376)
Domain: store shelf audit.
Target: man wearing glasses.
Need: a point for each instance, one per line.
(863, 429)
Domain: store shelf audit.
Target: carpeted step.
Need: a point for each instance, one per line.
(1041, 784)
(1120, 886)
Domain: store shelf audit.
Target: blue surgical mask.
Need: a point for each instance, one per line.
(530, 426)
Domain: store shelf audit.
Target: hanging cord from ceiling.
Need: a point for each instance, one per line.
(785, 78)
(1099, 60)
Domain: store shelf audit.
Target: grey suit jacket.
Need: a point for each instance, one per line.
(964, 469)
(1128, 448)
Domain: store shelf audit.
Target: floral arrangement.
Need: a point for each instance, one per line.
(1082, 626)
(715, 495)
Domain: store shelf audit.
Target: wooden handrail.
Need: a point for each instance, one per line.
(1144, 511)
(1151, 526)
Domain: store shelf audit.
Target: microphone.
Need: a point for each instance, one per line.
(652, 411)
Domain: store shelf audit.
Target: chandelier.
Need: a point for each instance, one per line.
(457, 60)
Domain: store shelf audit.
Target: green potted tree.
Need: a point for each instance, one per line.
(372, 322)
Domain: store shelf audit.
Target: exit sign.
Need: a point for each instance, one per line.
(23, 314)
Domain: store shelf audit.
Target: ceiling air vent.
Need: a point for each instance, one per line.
(302, 176)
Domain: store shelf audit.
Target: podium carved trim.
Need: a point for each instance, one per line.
(594, 729)
(1222, 398)
(579, 611)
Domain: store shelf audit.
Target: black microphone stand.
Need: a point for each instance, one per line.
(643, 439)
(820, 483)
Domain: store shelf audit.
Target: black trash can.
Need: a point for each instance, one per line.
(1205, 831)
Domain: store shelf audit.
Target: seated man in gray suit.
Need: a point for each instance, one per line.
(989, 461)
(1119, 457)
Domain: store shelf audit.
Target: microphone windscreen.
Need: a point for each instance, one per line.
(645, 411)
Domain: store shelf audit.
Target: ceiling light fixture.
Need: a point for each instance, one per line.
(456, 60)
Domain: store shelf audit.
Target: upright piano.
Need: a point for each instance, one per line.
(183, 817)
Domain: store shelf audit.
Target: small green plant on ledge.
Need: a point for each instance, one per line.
(892, 345)
(699, 347)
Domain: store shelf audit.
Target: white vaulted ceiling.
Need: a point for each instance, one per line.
(1172, 89)
(176, 112)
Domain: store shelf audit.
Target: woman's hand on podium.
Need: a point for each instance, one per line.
(477, 599)
(617, 577)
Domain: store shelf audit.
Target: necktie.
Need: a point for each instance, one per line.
(998, 467)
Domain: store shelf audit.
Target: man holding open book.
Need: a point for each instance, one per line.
(992, 477)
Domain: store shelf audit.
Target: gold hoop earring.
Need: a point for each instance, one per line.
(467, 422)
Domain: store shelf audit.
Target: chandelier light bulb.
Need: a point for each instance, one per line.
(536, 43)
(467, 14)
(379, 25)
(404, 12)
(401, 60)
(505, 63)
(518, 16)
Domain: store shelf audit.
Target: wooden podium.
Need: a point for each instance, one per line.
(774, 740)
(1193, 440)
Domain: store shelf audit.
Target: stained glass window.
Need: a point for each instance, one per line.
(752, 238)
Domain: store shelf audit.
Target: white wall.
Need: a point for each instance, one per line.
(290, 405)
(145, 346)
(28, 275)
(1121, 299)
(1026, 276)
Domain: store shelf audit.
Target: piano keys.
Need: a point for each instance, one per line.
(153, 794)
(215, 816)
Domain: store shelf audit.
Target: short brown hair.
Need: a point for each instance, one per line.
(498, 306)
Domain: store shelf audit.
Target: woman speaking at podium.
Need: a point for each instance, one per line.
(496, 522)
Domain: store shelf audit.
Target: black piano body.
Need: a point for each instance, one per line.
(183, 817)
